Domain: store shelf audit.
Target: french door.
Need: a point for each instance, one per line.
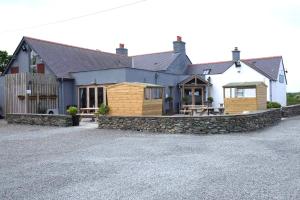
(90, 96)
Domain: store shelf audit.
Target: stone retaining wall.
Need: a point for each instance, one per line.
(290, 111)
(39, 119)
(193, 125)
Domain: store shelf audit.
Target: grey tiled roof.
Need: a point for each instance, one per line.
(155, 61)
(268, 66)
(62, 59)
(215, 67)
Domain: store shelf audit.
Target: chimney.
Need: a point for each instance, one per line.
(236, 54)
(179, 45)
(122, 50)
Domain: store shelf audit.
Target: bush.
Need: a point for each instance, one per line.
(72, 110)
(273, 105)
(293, 98)
(103, 109)
(185, 99)
(210, 99)
(169, 99)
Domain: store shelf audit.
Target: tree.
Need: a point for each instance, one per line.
(4, 59)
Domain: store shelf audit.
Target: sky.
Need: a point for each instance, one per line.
(211, 29)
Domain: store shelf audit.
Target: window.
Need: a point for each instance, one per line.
(100, 96)
(171, 91)
(82, 98)
(206, 71)
(227, 92)
(92, 99)
(240, 92)
(281, 78)
(153, 93)
(14, 70)
(36, 65)
(41, 68)
(33, 62)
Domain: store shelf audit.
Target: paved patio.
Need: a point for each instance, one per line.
(87, 163)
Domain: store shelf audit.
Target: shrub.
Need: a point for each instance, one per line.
(72, 110)
(169, 99)
(103, 109)
(273, 105)
(185, 99)
(210, 99)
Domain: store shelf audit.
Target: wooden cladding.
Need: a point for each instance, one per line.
(236, 103)
(14, 70)
(127, 99)
(42, 93)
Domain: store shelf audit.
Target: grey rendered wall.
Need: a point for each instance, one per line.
(99, 77)
(66, 95)
(22, 61)
(1, 95)
(129, 75)
(164, 79)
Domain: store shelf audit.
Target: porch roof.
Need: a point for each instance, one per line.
(243, 84)
(190, 78)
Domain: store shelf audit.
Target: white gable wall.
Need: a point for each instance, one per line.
(279, 89)
(247, 74)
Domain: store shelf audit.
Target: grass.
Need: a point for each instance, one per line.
(293, 98)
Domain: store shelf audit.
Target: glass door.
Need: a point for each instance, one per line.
(82, 98)
(189, 94)
(100, 96)
(198, 96)
(92, 99)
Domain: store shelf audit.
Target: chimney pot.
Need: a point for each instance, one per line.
(122, 50)
(179, 38)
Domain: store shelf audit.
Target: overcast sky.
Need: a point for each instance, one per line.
(211, 29)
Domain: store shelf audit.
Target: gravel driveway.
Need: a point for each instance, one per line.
(87, 163)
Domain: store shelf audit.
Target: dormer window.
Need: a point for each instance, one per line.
(206, 72)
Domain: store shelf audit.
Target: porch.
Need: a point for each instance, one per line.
(194, 90)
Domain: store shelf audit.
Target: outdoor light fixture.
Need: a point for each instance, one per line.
(24, 47)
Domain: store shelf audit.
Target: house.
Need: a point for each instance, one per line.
(83, 75)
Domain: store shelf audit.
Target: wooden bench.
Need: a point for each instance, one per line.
(87, 112)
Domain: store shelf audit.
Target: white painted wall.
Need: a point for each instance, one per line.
(246, 74)
(279, 89)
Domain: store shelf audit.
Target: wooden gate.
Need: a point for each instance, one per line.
(30, 93)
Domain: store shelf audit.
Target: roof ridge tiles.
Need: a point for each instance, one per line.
(72, 46)
(261, 58)
(211, 63)
(151, 53)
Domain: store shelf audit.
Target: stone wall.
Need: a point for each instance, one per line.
(290, 111)
(193, 125)
(39, 119)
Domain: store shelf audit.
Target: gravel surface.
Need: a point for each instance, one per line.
(88, 163)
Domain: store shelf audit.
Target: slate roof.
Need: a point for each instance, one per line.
(215, 67)
(267, 66)
(62, 59)
(155, 61)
